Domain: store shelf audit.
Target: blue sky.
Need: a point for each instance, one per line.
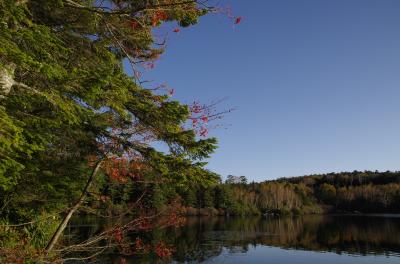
(315, 84)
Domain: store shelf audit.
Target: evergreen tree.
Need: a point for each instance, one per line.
(69, 110)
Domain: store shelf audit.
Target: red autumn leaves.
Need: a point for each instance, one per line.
(135, 24)
(118, 236)
(122, 236)
(238, 20)
(155, 19)
(120, 169)
(199, 118)
(203, 132)
(159, 16)
(199, 121)
(162, 250)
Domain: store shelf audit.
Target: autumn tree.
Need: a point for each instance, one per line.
(69, 113)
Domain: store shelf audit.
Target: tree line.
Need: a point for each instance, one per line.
(345, 192)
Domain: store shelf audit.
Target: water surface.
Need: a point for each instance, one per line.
(307, 239)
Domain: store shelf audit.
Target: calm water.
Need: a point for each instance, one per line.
(307, 239)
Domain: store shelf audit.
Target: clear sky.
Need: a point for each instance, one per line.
(316, 84)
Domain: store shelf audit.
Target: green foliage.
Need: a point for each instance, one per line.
(71, 59)
(23, 244)
(65, 98)
(190, 197)
(327, 193)
(368, 192)
(68, 64)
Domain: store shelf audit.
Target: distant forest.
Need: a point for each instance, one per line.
(344, 192)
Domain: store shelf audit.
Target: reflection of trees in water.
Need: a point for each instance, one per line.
(360, 235)
(192, 241)
(206, 237)
(202, 239)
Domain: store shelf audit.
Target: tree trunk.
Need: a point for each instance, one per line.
(6, 80)
(66, 219)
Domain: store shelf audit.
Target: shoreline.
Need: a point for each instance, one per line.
(211, 212)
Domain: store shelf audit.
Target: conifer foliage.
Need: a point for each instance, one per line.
(66, 101)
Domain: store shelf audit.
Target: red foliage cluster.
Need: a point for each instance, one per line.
(238, 20)
(140, 247)
(176, 220)
(160, 15)
(118, 235)
(139, 244)
(116, 169)
(199, 118)
(203, 132)
(92, 159)
(229, 13)
(120, 169)
(162, 250)
(194, 122)
(196, 108)
(134, 24)
(145, 224)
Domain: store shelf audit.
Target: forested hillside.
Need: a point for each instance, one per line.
(366, 192)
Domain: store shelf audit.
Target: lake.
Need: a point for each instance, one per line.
(307, 239)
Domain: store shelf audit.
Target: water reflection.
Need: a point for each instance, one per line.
(205, 239)
(359, 235)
